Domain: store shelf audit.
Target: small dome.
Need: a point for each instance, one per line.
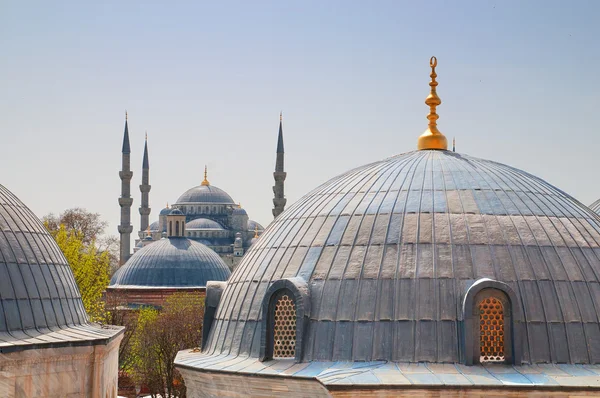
(155, 226)
(171, 262)
(176, 212)
(203, 223)
(205, 194)
(253, 225)
(238, 211)
(140, 244)
(389, 251)
(595, 206)
(165, 211)
(38, 293)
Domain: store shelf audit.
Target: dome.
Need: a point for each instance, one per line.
(155, 226)
(203, 223)
(252, 225)
(171, 262)
(595, 206)
(238, 211)
(165, 211)
(205, 194)
(176, 212)
(390, 253)
(38, 293)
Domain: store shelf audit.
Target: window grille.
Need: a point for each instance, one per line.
(284, 333)
(491, 326)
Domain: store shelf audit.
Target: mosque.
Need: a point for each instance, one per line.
(212, 217)
(427, 272)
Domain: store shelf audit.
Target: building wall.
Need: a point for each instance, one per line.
(65, 372)
(155, 297)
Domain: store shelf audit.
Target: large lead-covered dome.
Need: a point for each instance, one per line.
(171, 262)
(390, 250)
(40, 302)
(205, 194)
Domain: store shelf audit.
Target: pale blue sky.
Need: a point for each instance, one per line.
(519, 82)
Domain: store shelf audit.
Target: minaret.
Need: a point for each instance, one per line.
(125, 201)
(145, 189)
(279, 175)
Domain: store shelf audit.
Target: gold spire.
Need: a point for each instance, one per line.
(256, 231)
(148, 233)
(432, 138)
(205, 182)
(167, 205)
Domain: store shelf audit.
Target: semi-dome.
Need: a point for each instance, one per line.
(171, 262)
(385, 261)
(253, 225)
(205, 194)
(40, 302)
(165, 211)
(203, 223)
(239, 211)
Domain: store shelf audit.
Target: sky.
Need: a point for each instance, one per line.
(519, 84)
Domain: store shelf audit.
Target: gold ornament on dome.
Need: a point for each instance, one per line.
(432, 138)
(205, 182)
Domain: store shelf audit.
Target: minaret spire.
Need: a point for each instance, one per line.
(205, 181)
(125, 201)
(279, 175)
(145, 190)
(432, 138)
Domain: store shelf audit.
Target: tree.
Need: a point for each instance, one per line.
(90, 268)
(159, 336)
(89, 227)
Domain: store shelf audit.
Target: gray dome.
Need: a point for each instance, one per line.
(238, 211)
(205, 194)
(38, 293)
(253, 224)
(389, 251)
(165, 211)
(155, 226)
(176, 212)
(203, 223)
(171, 262)
(595, 206)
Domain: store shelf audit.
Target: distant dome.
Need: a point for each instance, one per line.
(595, 206)
(165, 211)
(176, 212)
(203, 223)
(38, 293)
(171, 262)
(389, 252)
(205, 194)
(239, 211)
(155, 226)
(252, 225)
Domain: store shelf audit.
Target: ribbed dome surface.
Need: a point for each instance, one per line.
(203, 223)
(171, 262)
(205, 194)
(389, 250)
(595, 206)
(37, 288)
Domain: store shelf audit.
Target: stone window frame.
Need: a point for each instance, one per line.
(297, 289)
(480, 290)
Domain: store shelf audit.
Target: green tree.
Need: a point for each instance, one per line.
(157, 339)
(90, 268)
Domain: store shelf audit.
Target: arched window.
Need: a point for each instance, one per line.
(283, 325)
(492, 324)
(491, 330)
(176, 228)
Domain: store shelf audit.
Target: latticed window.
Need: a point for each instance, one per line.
(491, 330)
(284, 327)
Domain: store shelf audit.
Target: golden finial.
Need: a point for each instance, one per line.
(256, 231)
(167, 205)
(205, 182)
(148, 233)
(432, 138)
